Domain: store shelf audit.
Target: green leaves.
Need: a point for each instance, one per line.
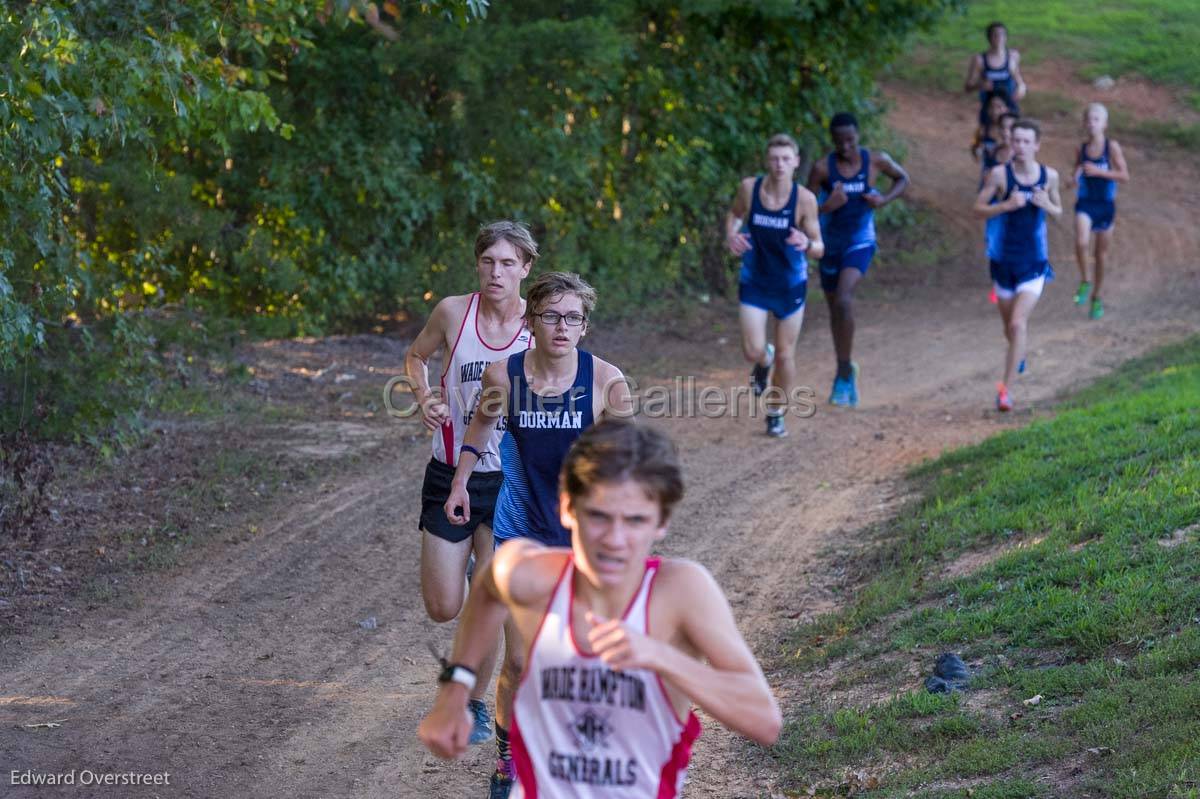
(323, 163)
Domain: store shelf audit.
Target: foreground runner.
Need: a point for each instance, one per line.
(1020, 264)
(846, 180)
(1098, 167)
(780, 233)
(997, 69)
(547, 396)
(620, 644)
(462, 327)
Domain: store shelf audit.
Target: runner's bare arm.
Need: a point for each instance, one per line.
(522, 574)
(491, 405)
(816, 178)
(809, 222)
(1048, 198)
(974, 77)
(434, 411)
(613, 390)
(1014, 62)
(735, 240)
(1120, 170)
(900, 180)
(992, 186)
(730, 686)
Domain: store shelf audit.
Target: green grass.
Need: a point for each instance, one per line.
(1083, 603)
(1105, 37)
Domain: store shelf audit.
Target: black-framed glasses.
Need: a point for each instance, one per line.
(572, 319)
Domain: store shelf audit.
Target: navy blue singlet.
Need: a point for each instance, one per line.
(540, 431)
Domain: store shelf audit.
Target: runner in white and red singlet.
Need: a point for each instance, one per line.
(620, 644)
(472, 331)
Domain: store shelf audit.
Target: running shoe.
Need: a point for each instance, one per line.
(502, 780)
(1003, 403)
(845, 389)
(1081, 294)
(775, 428)
(1097, 309)
(760, 373)
(481, 729)
(853, 385)
(992, 298)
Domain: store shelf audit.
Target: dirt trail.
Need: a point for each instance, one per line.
(246, 674)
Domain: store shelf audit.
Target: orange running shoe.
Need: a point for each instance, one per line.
(1003, 403)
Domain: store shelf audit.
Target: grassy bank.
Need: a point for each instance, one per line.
(1061, 561)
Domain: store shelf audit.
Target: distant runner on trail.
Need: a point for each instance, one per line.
(471, 331)
(1098, 167)
(846, 181)
(990, 135)
(997, 69)
(621, 644)
(546, 397)
(1026, 191)
(773, 227)
(1000, 152)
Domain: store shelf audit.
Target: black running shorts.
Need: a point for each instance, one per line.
(484, 488)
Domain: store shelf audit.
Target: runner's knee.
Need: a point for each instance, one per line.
(442, 607)
(514, 664)
(845, 303)
(753, 352)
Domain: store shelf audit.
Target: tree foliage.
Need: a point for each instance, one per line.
(281, 160)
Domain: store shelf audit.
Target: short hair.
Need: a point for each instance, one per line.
(843, 119)
(618, 449)
(550, 285)
(994, 26)
(783, 140)
(1096, 107)
(1029, 124)
(515, 233)
(1008, 115)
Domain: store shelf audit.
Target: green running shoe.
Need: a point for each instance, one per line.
(1081, 294)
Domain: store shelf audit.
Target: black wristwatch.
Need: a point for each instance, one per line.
(456, 672)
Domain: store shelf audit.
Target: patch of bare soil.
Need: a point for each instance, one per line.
(245, 671)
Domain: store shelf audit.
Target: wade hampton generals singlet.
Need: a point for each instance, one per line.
(462, 380)
(583, 731)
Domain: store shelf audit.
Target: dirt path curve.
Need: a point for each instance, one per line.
(246, 674)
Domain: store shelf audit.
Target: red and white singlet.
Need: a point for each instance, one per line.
(462, 380)
(584, 731)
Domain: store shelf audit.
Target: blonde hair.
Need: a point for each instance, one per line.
(1096, 107)
(783, 140)
(515, 233)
